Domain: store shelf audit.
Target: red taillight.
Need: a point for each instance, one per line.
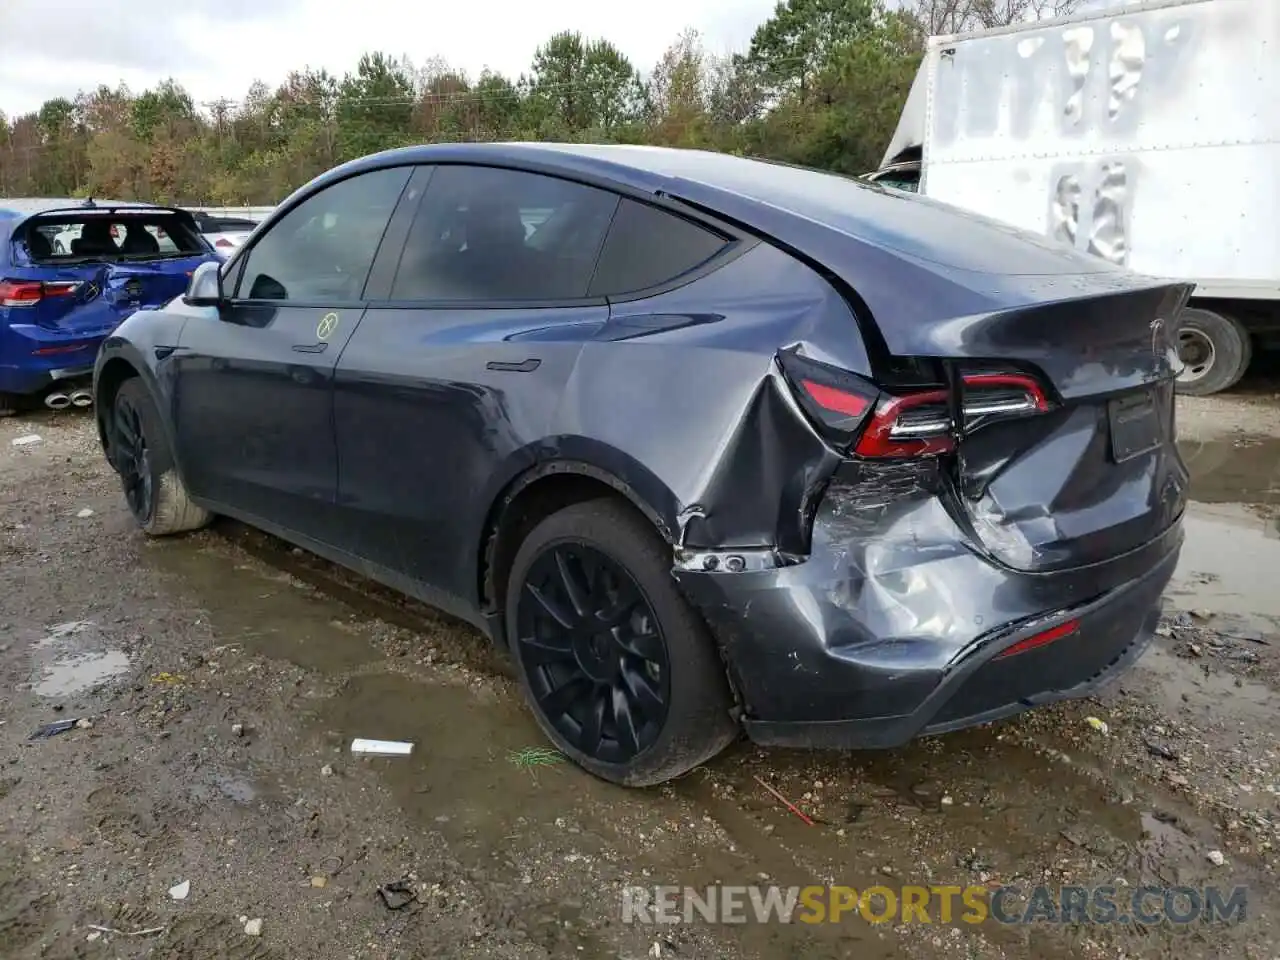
(224, 244)
(856, 415)
(1041, 639)
(836, 400)
(27, 293)
(911, 425)
(20, 293)
(990, 394)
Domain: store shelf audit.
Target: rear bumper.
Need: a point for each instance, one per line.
(25, 370)
(871, 644)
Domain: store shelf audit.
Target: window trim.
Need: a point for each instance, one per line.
(236, 265)
(737, 243)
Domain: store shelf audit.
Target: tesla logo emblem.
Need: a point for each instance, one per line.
(328, 323)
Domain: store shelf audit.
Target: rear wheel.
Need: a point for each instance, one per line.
(140, 453)
(1215, 351)
(621, 673)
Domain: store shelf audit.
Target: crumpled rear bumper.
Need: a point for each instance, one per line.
(874, 640)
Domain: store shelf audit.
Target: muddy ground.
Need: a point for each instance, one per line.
(222, 676)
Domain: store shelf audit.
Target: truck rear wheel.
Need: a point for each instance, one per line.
(1215, 351)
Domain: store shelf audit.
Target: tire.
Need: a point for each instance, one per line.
(697, 720)
(1219, 343)
(153, 490)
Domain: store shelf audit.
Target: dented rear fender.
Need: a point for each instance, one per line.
(732, 461)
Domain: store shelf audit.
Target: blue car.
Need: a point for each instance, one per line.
(70, 272)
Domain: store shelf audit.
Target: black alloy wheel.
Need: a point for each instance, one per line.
(138, 449)
(132, 458)
(594, 652)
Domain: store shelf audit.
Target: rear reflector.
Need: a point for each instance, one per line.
(1038, 640)
(27, 293)
(62, 348)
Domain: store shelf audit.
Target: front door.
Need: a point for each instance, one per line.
(253, 390)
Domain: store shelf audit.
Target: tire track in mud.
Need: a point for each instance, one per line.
(1107, 809)
(25, 910)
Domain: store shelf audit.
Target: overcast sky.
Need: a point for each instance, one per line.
(216, 48)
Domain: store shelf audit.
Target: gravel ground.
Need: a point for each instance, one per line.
(218, 679)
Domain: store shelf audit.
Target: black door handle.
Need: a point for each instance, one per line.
(524, 366)
(309, 347)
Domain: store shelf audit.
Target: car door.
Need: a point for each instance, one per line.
(253, 382)
(445, 384)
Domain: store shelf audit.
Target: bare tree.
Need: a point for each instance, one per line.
(959, 16)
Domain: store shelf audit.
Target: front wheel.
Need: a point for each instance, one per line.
(621, 673)
(140, 453)
(1215, 351)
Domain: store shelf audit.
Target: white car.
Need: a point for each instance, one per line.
(61, 240)
(224, 234)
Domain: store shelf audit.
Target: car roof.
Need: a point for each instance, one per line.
(647, 168)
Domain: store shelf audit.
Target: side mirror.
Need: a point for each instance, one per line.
(205, 287)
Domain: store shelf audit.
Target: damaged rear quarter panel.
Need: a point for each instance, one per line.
(703, 406)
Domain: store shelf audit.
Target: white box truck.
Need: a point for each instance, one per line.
(1146, 133)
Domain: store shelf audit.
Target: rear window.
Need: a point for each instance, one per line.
(226, 225)
(68, 238)
(647, 247)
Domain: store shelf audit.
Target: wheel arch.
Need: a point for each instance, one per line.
(550, 485)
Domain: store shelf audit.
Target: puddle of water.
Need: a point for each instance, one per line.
(77, 673)
(1228, 565)
(1181, 685)
(461, 782)
(1241, 469)
(267, 614)
(72, 658)
(234, 788)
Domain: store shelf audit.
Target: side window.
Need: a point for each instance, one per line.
(323, 248)
(487, 234)
(647, 246)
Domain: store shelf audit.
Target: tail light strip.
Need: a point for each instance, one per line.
(912, 424)
(27, 293)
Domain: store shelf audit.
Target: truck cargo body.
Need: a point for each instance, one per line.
(1147, 134)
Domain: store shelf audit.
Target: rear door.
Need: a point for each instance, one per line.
(447, 383)
(252, 394)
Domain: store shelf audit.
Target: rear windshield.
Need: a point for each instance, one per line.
(71, 238)
(226, 225)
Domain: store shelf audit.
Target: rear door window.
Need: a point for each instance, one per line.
(647, 247)
(485, 234)
(322, 249)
